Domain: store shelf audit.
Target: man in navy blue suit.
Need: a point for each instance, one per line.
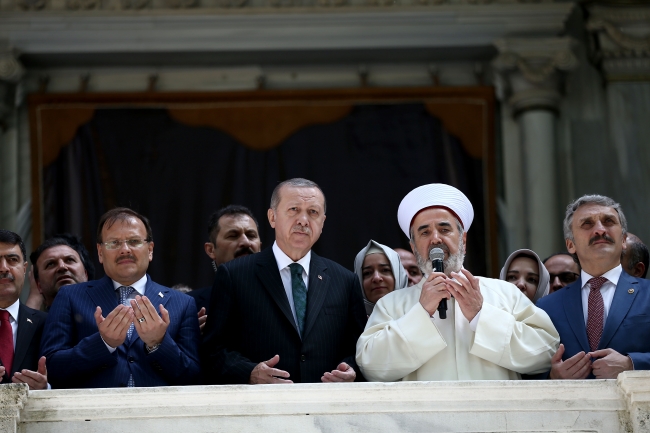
(602, 318)
(123, 329)
(285, 315)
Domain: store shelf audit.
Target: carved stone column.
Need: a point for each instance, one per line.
(528, 80)
(12, 400)
(10, 73)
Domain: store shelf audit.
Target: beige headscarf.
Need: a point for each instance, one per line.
(401, 277)
(544, 277)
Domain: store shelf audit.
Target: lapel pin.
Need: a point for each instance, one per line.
(630, 291)
(320, 278)
(30, 320)
(160, 294)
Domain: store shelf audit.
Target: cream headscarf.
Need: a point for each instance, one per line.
(544, 277)
(399, 273)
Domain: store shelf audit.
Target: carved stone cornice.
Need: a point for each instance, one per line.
(623, 40)
(528, 70)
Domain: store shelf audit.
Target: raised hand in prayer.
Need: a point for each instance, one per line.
(576, 367)
(609, 363)
(265, 373)
(343, 373)
(434, 290)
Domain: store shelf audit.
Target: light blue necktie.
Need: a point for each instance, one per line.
(124, 300)
(299, 291)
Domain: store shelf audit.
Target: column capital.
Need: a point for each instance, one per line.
(528, 70)
(622, 36)
(11, 69)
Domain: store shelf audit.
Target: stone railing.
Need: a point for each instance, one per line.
(604, 406)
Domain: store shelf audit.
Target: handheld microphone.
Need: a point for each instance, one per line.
(437, 255)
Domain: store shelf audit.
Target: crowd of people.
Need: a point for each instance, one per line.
(285, 314)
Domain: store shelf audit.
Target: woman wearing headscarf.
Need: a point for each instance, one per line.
(525, 270)
(380, 271)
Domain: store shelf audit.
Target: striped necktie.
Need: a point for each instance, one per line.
(299, 291)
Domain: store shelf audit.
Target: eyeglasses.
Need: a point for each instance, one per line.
(565, 277)
(131, 243)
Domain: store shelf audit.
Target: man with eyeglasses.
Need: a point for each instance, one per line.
(123, 329)
(563, 269)
(602, 317)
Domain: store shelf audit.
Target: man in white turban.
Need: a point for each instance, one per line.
(492, 331)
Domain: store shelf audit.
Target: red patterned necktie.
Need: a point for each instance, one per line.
(595, 312)
(6, 341)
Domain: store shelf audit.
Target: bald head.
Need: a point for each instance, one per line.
(635, 257)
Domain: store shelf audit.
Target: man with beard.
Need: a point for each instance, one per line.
(59, 261)
(602, 318)
(123, 329)
(232, 232)
(492, 331)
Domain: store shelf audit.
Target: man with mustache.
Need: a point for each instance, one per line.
(492, 330)
(123, 329)
(59, 261)
(285, 315)
(232, 232)
(602, 318)
(21, 327)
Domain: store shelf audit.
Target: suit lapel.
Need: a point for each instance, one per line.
(269, 275)
(27, 324)
(621, 304)
(575, 316)
(152, 291)
(103, 294)
(317, 290)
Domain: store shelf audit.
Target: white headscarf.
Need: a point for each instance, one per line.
(544, 277)
(399, 273)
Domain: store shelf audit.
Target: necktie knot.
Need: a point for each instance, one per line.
(4, 316)
(597, 282)
(296, 269)
(125, 291)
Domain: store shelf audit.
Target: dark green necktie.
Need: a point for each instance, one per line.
(299, 291)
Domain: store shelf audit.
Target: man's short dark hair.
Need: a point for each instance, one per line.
(564, 253)
(297, 182)
(231, 209)
(638, 253)
(68, 240)
(122, 214)
(11, 238)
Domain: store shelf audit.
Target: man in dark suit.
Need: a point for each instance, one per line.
(124, 329)
(285, 315)
(232, 232)
(20, 327)
(602, 318)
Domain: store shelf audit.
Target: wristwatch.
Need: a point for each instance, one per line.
(151, 349)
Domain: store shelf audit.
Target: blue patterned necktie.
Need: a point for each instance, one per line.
(299, 291)
(124, 300)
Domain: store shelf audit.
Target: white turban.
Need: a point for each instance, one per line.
(434, 195)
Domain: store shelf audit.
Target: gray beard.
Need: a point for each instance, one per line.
(453, 263)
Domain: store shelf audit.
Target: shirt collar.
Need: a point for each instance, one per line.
(13, 310)
(284, 260)
(612, 275)
(139, 285)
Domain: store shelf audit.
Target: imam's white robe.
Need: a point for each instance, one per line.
(401, 340)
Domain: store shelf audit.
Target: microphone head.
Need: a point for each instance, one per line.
(436, 254)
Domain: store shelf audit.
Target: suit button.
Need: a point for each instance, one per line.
(130, 359)
(303, 358)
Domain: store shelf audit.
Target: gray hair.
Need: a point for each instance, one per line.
(600, 200)
(297, 182)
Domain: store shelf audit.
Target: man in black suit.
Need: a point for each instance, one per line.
(232, 232)
(285, 315)
(20, 326)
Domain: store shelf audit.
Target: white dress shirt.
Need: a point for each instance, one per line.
(607, 290)
(283, 262)
(138, 289)
(13, 319)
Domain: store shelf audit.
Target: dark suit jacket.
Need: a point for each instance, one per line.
(202, 298)
(28, 341)
(251, 321)
(627, 328)
(78, 358)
